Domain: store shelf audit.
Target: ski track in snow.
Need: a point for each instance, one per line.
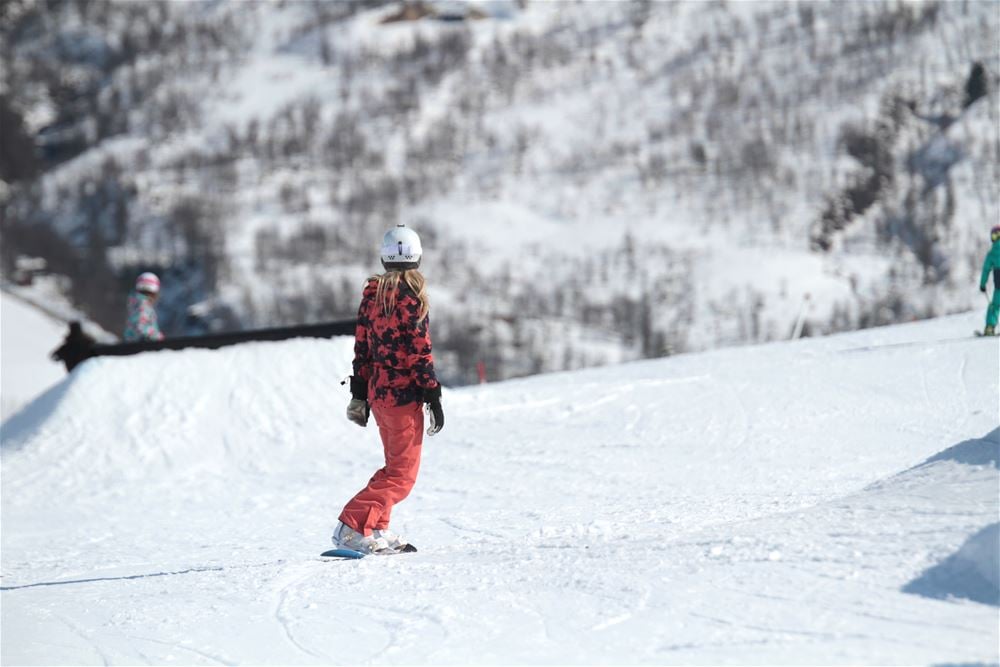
(179, 647)
(457, 526)
(285, 620)
(762, 505)
(105, 660)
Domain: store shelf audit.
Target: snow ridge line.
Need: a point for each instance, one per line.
(914, 343)
(218, 568)
(149, 575)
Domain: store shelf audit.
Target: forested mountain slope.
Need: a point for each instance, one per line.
(594, 181)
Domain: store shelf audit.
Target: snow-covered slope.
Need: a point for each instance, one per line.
(27, 336)
(815, 502)
(34, 322)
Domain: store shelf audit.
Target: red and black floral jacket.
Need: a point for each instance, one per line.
(393, 353)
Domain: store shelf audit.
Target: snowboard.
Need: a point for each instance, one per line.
(980, 334)
(351, 554)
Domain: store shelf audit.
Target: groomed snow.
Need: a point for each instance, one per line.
(27, 337)
(781, 504)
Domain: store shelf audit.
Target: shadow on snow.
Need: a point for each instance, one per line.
(972, 572)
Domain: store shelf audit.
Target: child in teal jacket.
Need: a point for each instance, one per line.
(992, 263)
(141, 322)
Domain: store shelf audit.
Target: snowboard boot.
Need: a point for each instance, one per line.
(346, 537)
(988, 331)
(395, 542)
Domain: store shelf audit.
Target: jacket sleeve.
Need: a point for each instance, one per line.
(421, 359)
(988, 266)
(362, 350)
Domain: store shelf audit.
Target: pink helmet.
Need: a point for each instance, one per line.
(148, 283)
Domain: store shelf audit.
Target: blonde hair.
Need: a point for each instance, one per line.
(388, 284)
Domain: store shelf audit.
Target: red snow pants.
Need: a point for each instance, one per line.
(402, 431)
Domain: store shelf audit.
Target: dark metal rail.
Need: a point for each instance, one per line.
(78, 346)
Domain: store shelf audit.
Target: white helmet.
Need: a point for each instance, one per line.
(401, 249)
(148, 283)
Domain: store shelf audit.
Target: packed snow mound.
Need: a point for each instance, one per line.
(182, 413)
(759, 505)
(972, 572)
(980, 451)
(171, 413)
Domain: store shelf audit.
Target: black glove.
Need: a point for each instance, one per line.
(432, 397)
(982, 288)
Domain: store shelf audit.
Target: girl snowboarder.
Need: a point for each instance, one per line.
(141, 323)
(393, 377)
(992, 263)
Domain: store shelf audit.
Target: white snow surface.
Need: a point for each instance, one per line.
(27, 337)
(781, 504)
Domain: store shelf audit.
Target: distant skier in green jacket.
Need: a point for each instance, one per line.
(992, 263)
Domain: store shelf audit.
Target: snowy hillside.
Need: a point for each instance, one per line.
(830, 501)
(595, 181)
(33, 323)
(27, 337)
